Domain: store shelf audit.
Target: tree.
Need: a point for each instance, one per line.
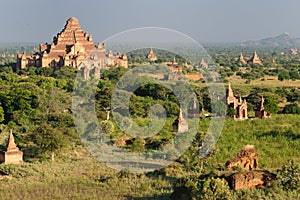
(293, 95)
(219, 108)
(44, 71)
(206, 100)
(231, 112)
(65, 72)
(47, 139)
(107, 127)
(138, 144)
(291, 109)
(271, 106)
(283, 76)
(1, 114)
(294, 75)
(19, 102)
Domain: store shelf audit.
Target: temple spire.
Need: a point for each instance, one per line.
(11, 145)
(262, 107)
(180, 114)
(241, 59)
(11, 141)
(230, 91)
(174, 60)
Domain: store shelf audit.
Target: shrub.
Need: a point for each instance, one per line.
(138, 144)
(291, 109)
(284, 76)
(216, 189)
(207, 188)
(289, 176)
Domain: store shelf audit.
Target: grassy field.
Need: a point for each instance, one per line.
(267, 81)
(277, 140)
(75, 175)
(78, 176)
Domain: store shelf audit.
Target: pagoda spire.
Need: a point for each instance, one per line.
(262, 107)
(11, 141)
(11, 145)
(230, 91)
(241, 59)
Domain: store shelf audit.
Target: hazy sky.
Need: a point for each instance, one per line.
(203, 20)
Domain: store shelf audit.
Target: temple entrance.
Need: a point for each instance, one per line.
(244, 113)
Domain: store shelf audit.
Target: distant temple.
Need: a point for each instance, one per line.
(261, 112)
(294, 51)
(238, 105)
(151, 56)
(70, 47)
(180, 124)
(12, 155)
(255, 59)
(203, 64)
(193, 111)
(241, 59)
(174, 67)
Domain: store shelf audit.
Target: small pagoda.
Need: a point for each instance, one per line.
(261, 112)
(180, 125)
(12, 155)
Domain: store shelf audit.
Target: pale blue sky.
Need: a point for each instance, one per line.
(203, 20)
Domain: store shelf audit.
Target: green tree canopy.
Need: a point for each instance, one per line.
(271, 106)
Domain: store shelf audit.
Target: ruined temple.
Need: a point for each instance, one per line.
(238, 105)
(12, 155)
(247, 159)
(261, 112)
(251, 179)
(151, 56)
(70, 47)
(241, 59)
(255, 59)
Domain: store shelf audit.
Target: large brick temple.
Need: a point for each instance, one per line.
(70, 47)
